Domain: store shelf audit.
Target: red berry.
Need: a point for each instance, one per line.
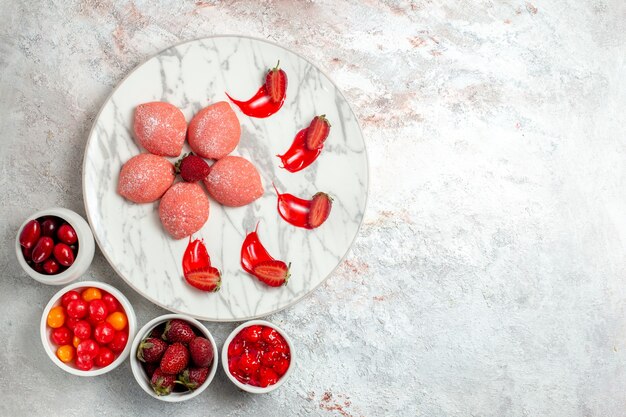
(63, 254)
(281, 366)
(77, 309)
(321, 204)
(273, 273)
(49, 226)
(61, 336)
(82, 330)
(88, 347)
(69, 296)
(175, 359)
(110, 302)
(105, 357)
(119, 341)
(268, 359)
(97, 310)
(50, 266)
(84, 362)
(252, 333)
(317, 132)
(67, 234)
(70, 322)
(30, 234)
(42, 249)
(206, 279)
(192, 168)
(236, 347)
(201, 351)
(104, 333)
(267, 377)
(270, 335)
(276, 84)
(248, 363)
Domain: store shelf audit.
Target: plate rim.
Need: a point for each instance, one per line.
(174, 310)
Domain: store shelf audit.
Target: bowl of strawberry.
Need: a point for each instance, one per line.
(258, 357)
(174, 358)
(86, 326)
(55, 246)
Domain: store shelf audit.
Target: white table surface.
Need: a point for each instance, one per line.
(489, 277)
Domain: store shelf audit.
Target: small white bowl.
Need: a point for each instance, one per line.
(46, 331)
(86, 248)
(250, 388)
(141, 376)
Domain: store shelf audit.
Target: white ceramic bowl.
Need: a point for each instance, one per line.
(142, 377)
(250, 388)
(86, 248)
(46, 331)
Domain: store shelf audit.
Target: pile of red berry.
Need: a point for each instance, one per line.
(49, 244)
(258, 356)
(89, 328)
(176, 357)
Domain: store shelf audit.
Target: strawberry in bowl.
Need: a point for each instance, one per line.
(174, 358)
(258, 357)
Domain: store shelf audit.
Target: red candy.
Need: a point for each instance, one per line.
(258, 356)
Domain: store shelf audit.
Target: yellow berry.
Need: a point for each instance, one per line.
(118, 320)
(92, 293)
(65, 353)
(56, 317)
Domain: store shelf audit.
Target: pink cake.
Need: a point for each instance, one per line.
(145, 177)
(160, 128)
(215, 131)
(234, 181)
(184, 209)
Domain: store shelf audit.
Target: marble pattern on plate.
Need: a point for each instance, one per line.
(191, 76)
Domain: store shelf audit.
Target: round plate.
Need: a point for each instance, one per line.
(191, 76)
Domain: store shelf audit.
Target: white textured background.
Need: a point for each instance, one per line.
(489, 277)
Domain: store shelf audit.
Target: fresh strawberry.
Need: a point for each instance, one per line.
(201, 351)
(178, 331)
(192, 168)
(272, 273)
(162, 383)
(321, 203)
(175, 359)
(205, 279)
(276, 84)
(317, 132)
(151, 350)
(192, 378)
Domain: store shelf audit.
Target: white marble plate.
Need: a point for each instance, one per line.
(191, 76)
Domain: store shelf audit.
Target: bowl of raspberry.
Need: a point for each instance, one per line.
(174, 358)
(55, 246)
(86, 326)
(258, 357)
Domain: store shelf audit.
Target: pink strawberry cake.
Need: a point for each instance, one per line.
(215, 131)
(234, 181)
(160, 128)
(184, 209)
(145, 177)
